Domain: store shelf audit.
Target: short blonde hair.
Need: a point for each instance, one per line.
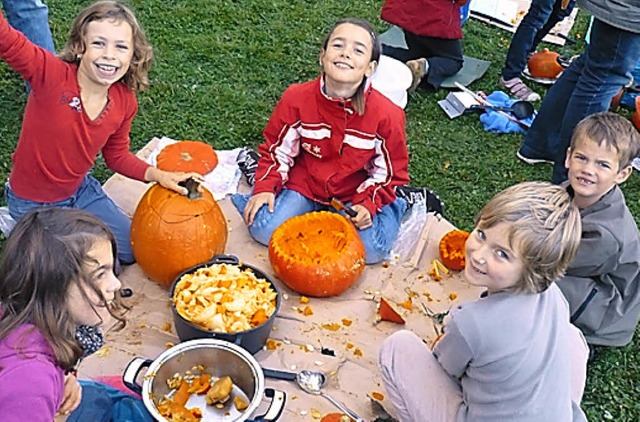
(545, 230)
(136, 78)
(614, 131)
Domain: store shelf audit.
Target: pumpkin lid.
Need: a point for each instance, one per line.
(188, 156)
(176, 208)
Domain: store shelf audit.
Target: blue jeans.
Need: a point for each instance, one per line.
(102, 403)
(585, 88)
(377, 239)
(31, 17)
(542, 16)
(91, 198)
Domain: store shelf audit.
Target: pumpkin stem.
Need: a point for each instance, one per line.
(192, 186)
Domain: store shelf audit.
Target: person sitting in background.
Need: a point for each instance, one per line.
(542, 16)
(433, 36)
(602, 284)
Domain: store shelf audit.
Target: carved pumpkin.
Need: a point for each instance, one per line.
(452, 250)
(544, 64)
(317, 254)
(188, 156)
(171, 232)
(636, 115)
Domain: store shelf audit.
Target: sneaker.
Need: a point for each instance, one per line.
(248, 162)
(533, 160)
(415, 195)
(419, 68)
(518, 89)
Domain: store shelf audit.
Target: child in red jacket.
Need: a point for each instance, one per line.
(334, 136)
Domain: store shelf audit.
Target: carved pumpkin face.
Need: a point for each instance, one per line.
(452, 251)
(170, 232)
(188, 156)
(317, 254)
(544, 64)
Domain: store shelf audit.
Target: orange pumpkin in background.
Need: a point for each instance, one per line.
(188, 156)
(317, 254)
(172, 232)
(544, 64)
(452, 249)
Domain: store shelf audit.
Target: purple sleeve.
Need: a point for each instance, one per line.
(31, 391)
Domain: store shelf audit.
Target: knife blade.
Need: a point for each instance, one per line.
(340, 206)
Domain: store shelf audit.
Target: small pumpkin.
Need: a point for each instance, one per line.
(544, 64)
(317, 254)
(188, 156)
(452, 250)
(171, 232)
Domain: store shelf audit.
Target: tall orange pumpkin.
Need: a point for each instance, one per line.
(188, 156)
(636, 115)
(171, 232)
(317, 254)
(544, 64)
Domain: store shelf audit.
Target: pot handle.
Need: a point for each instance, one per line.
(279, 375)
(224, 259)
(131, 373)
(278, 398)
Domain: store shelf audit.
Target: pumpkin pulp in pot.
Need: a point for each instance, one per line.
(317, 254)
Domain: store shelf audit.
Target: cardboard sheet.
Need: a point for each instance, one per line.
(353, 373)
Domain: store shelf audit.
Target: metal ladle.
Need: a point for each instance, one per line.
(519, 109)
(311, 382)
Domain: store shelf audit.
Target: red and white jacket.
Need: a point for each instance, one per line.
(321, 148)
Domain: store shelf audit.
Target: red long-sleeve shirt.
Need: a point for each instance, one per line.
(59, 143)
(321, 148)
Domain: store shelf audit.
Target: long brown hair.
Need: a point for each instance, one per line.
(136, 77)
(358, 98)
(45, 254)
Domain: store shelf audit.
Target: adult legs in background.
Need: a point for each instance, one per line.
(444, 56)
(31, 17)
(539, 20)
(586, 87)
(417, 386)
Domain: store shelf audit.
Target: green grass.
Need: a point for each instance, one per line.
(222, 65)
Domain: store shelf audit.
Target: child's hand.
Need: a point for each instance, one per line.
(170, 180)
(72, 395)
(255, 203)
(363, 219)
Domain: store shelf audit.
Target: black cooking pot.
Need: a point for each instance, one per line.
(251, 340)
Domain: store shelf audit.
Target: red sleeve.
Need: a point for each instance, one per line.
(281, 146)
(391, 161)
(32, 62)
(116, 152)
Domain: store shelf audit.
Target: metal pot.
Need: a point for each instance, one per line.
(220, 358)
(252, 339)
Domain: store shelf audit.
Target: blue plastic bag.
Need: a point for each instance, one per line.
(496, 122)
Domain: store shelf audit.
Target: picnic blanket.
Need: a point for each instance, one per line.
(344, 325)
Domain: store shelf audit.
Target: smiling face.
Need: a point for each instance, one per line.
(107, 55)
(87, 306)
(346, 59)
(593, 171)
(491, 261)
